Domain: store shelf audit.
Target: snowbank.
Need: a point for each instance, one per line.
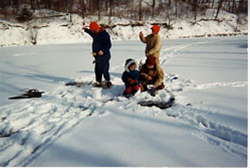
(62, 30)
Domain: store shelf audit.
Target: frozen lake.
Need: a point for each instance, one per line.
(206, 127)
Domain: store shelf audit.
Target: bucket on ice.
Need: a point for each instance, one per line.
(96, 93)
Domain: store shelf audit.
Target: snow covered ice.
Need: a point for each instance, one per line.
(80, 126)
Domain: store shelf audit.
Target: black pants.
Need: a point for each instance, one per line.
(102, 67)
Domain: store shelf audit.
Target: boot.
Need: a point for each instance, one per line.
(106, 84)
(162, 86)
(97, 84)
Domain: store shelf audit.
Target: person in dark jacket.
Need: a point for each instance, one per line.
(131, 78)
(101, 51)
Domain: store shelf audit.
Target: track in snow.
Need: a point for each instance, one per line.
(28, 127)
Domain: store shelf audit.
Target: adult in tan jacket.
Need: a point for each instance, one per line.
(151, 73)
(153, 43)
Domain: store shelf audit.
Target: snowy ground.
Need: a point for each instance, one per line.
(72, 126)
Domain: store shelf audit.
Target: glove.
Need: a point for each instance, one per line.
(152, 92)
(131, 81)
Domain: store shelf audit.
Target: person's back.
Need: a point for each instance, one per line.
(101, 41)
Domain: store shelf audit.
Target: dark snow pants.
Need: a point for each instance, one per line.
(102, 67)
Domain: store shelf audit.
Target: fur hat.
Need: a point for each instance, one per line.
(94, 26)
(129, 62)
(151, 61)
(156, 28)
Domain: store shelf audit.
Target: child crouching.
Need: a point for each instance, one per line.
(131, 78)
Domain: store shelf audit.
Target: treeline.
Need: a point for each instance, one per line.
(140, 10)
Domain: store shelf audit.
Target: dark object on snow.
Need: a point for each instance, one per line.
(152, 92)
(78, 84)
(161, 105)
(104, 84)
(174, 78)
(31, 93)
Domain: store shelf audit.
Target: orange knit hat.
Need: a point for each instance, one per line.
(156, 28)
(94, 26)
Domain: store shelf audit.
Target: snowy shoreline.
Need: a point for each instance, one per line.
(62, 31)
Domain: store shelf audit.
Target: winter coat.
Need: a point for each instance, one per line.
(153, 45)
(156, 73)
(101, 41)
(131, 78)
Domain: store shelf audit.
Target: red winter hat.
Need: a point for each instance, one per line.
(94, 26)
(151, 61)
(156, 28)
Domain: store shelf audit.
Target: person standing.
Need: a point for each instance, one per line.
(153, 43)
(101, 51)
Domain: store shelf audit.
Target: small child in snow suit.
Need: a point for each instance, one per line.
(131, 78)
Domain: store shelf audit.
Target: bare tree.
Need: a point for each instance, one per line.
(153, 8)
(83, 8)
(110, 9)
(127, 8)
(195, 9)
(219, 8)
(32, 5)
(98, 9)
(140, 10)
(169, 15)
(240, 12)
(176, 8)
(33, 32)
(233, 6)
